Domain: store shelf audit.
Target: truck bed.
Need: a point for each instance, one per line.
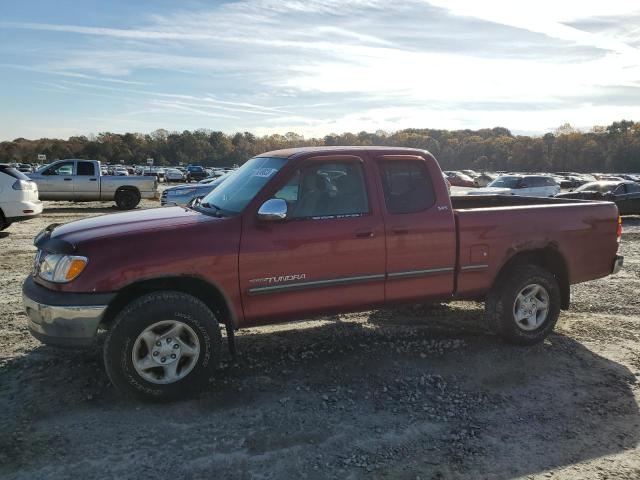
(492, 229)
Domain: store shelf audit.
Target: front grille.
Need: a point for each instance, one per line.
(163, 198)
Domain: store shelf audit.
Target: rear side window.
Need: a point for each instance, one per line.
(632, 188)
(533, 182)
(86, 168)
(407, 186)
(12, 172)
(550, 182)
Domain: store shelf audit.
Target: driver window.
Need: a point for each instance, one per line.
(326, 190)
(64, 168)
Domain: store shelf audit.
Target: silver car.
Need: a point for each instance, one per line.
(183, 194)
(173, 175)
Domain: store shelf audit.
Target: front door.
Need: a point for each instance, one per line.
(420, 229)
(329, 252)
(86, 184)
(57, 181)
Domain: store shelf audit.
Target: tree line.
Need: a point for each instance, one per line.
(614, 148)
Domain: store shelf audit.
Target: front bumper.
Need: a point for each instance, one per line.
(63, 319)
(617, 264)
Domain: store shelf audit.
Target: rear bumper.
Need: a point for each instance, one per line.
(617, 264)
(155, 195)
(63, 319)
(23, 210)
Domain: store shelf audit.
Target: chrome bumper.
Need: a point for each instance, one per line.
(61, 325)
(617, 264)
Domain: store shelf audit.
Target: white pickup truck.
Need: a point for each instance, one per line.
(81, 181)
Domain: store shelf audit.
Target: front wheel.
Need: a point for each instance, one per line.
(3, 222)
(524, 305)
(162, 346)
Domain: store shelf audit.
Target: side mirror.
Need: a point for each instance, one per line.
(194, 202)
(273, 210)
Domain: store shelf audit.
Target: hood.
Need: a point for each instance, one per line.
(180, 188)
(123, 223)
(489, 191)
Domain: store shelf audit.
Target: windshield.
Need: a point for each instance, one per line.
(505, 182)
(241, 186)
(597, 187)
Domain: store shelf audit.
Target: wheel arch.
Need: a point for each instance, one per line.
(130, 188)
(206, 291)
(548, 258)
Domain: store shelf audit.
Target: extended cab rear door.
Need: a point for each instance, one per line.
(329, 252)
(420, 229)
(86, 184)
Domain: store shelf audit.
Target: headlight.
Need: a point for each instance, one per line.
(60, 268)
(183, 191)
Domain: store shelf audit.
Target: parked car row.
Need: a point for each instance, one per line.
(22, 189)
(523, 185)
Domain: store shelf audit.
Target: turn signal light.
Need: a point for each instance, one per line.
(619, 229)
(75, 269)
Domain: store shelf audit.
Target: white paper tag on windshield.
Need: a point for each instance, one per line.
(264, 172)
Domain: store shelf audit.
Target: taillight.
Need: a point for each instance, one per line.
(23, 185)
(619, 229)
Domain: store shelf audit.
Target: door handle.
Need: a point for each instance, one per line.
(364, 233)
(93, 179)
(67, 179)
(400, 230)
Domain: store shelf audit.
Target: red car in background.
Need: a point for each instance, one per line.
(459, 179)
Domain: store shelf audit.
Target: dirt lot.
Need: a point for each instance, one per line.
(417, 392)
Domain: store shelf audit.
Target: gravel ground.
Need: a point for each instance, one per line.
(421, 392)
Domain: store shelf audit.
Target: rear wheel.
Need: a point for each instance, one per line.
(127, 199)
(524, 305)
(162, 346)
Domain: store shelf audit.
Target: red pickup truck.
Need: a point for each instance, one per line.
(299, 232)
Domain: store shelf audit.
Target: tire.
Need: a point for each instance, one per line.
(147, 379)
(3, 222)
(127, 199)
(504, 309)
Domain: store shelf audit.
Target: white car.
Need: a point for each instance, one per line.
(121, 171)
(173, 175)
(18, 197)
(523, 185)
